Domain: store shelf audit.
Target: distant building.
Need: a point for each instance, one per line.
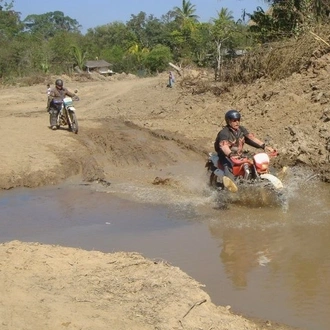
(99, 66)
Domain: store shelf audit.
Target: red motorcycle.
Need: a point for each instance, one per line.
(247, 168)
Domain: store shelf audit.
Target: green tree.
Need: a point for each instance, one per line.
(303, 8)
(112, 42)
(148, 30)
(116, 56)
(158, 58)
(79, 56)
(263, 26)
(223, 32)
(288, 18)
(10, 23)
(61, 47)
(48, 24)
(107, 36)
(138, 54)
(184, 23)
(201, 43)
(137, 24)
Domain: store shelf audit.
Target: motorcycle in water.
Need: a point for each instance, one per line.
(66, 116)
(247, 169)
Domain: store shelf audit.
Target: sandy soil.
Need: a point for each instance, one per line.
(133, 129)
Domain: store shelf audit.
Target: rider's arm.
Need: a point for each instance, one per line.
(225, 147)
(252, 141)
(68, 93)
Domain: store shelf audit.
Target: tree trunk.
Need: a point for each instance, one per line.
(218, 66)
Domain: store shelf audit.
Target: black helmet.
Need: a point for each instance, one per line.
(59, 82)
(232, 114)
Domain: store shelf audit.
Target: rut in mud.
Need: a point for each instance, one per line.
(121, 149)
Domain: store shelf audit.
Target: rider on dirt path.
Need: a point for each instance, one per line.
(230, 141)
(55, 98)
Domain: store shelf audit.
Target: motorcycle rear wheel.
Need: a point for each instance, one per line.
(74, 122)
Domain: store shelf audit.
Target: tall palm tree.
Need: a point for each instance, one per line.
(224, 15)
(186, 12)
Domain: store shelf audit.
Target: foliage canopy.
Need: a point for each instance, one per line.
(53, 43)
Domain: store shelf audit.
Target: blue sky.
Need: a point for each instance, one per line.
(92, 13)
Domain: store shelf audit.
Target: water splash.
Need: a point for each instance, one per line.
(191, 193)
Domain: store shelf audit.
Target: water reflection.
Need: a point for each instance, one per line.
(239, 255)
(287, 254)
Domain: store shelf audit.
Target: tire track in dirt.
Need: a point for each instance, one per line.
(123, 150)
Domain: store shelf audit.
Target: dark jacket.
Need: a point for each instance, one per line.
(234, 140)
(57, 95)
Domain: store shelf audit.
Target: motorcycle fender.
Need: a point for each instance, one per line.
(277, 183)
(71, 108)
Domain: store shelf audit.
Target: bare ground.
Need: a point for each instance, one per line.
(132, 129)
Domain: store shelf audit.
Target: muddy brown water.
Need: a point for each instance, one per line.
(270, 262)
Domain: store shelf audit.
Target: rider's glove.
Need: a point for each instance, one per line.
(270, 149)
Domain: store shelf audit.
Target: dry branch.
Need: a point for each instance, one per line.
(194, 305)
(178, 70)
(319, 38)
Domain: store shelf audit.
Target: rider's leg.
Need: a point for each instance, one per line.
(53, 117)
(229, 178)
(225, 177)
(217, 171)
(228, 172)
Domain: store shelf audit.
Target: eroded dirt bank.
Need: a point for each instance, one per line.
(132, 129)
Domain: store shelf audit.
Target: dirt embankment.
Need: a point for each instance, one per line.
(50, 287)
(131, 129)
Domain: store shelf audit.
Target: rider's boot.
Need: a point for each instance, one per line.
(229, 184)
(229, 180)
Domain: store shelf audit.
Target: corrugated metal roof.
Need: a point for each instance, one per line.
(97, 64)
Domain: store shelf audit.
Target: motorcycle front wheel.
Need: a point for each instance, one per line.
(74, 122)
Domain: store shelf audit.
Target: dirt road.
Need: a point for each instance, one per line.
(132, 129)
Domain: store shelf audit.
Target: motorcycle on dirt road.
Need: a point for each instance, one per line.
(246, 169)
(67, 114)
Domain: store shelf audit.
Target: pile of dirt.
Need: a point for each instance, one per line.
(51, 287)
